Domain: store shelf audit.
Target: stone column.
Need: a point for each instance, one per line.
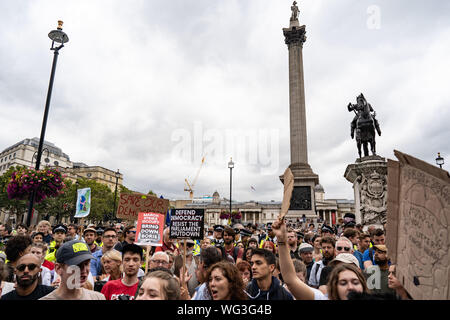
(303, 197)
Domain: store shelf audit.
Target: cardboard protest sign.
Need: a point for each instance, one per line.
(130, 204)
(149, 230)
(287, 194)
(417, 235)
(187, 223)
(83, 203)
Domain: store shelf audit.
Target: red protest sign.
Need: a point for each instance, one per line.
(130, 204)
(149, 230)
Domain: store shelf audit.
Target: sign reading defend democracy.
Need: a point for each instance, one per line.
(187, 223)
(130, 204)
(149, 230)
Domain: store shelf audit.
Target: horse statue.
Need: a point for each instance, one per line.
(365, 124)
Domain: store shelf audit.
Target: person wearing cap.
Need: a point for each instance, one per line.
(98, 240)
(306, 255)
(230, 248)
(245, 236)
(59, 234)
(125, 288)
(327, 231)
(89, 235)
(269, 237)
(218, 235)
(72, 265)
(252, 243)
(378, 275)
(378, 237)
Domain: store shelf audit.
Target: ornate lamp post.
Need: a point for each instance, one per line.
(117, 174)
(439, 160)
(57, 36)
(231, 166)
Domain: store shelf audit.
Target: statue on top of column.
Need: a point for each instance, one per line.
(295, 11)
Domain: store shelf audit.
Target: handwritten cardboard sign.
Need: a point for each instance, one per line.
(149, 230)
(287, 194)
(187, 223)
(131, 204)
(418, 216)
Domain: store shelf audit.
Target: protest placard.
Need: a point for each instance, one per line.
(83, 205)
(130, 204)
(187, 223)
(149, 230)
(418, 226)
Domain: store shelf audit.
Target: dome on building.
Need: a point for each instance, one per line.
(318, 188)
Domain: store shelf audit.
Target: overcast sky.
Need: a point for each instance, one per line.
(150, 86)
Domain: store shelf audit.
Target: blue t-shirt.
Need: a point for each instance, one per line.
(359, 256)
(366, 256)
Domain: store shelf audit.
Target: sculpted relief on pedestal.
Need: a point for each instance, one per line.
(373, 194)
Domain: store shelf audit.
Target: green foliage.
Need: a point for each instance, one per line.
(102, 199)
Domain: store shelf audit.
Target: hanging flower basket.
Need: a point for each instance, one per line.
(46, 183)
(224, 216)
(236, 215)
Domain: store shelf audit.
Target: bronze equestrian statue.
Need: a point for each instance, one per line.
(365, 124)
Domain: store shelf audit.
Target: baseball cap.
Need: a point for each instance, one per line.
(305, 247)
(347, 258)
(60, 228)
(381, 247)
(73, 253)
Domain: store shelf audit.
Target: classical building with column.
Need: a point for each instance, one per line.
(262, 212)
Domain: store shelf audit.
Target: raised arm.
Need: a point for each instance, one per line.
(299, 289)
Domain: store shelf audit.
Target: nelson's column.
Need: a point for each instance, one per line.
(302, 201)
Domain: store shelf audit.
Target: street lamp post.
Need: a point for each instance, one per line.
(439, 160)
(231, 166)
(117, 174)
(57, 36)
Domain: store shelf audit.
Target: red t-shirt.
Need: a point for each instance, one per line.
(115, 288)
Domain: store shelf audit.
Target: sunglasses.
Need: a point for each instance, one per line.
(31, 267)
(343, 248)
(131, 232)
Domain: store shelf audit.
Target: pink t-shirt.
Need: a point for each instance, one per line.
(115, 288)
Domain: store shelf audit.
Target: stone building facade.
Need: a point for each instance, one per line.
(262, 212)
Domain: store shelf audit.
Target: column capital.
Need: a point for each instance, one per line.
(295, 35)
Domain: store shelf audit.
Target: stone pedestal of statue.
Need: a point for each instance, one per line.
(369, 178)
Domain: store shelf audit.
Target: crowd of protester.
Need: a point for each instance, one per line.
(286, 260)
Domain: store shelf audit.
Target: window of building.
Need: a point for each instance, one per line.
(89, 175)
(9, 156)
(14, 155)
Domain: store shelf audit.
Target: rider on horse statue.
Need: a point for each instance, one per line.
(364, 123)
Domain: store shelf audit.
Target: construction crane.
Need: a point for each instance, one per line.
(190, 186)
